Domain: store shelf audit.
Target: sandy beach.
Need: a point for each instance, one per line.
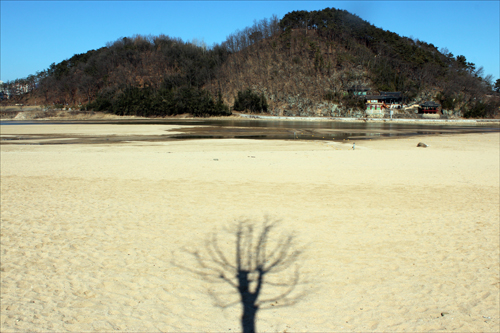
(396, 238)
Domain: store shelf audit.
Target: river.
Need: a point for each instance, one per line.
(285, 129)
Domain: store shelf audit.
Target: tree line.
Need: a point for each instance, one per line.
(161, 75)
(144, 75)
(397, 63)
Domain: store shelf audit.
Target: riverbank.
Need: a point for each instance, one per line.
(380, 120)
(395, 237)
(38, 113)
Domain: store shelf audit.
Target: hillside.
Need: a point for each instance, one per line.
(318, 57)
(305, 64)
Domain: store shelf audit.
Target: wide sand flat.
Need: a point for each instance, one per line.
(397, 238)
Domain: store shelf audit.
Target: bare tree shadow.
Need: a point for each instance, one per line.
(259, 259)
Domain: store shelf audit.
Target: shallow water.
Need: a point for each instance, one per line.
(254, 129)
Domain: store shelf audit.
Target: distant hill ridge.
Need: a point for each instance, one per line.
(307, 64)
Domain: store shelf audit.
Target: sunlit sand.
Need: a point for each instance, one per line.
(395, 237)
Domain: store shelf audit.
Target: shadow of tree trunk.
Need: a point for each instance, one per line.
(258, 259)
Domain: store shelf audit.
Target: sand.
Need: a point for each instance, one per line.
(395, 237)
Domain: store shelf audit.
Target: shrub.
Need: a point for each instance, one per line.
(482, 109)
(448, 102)
(248, 100)
(332, 96)
(166, 101)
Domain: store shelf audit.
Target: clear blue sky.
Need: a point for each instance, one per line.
(35, 34)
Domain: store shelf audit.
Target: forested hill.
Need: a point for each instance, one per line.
(305, 64)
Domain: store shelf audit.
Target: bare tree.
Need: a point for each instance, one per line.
(258, 260)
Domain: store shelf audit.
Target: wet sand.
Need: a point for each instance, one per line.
(396, 238)
(158, 130)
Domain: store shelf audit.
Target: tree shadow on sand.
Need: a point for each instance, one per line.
(260, 267)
